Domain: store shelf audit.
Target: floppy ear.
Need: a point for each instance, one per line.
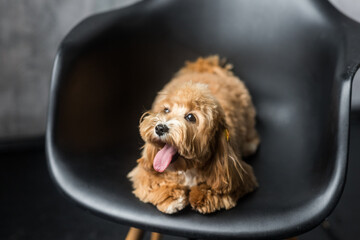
(144, 115)
(226, 171)
(148, 150)
(148, 154)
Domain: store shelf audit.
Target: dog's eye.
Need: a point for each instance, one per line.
(190, 117)
(166, 110)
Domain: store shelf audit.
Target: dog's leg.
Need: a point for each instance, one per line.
(169, 199)
(204, 200)
(251, 139)
(251, 143)
(167, 196)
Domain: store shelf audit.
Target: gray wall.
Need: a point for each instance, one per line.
(30, 31)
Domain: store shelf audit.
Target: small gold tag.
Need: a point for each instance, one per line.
(227, 135)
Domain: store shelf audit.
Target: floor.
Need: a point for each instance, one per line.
(32, 208)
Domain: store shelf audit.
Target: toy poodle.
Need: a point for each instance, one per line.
(200, 126)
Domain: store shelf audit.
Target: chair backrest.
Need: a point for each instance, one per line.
(282, 50)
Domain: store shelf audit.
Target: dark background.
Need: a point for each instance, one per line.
(30, 205)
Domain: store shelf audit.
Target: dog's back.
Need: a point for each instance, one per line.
(232, 95)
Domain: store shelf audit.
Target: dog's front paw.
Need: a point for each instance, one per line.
(204, 200)
(173, 201)
(200, 199)
(171, 206)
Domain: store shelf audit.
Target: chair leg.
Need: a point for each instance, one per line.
(155, 236)
(135, 234)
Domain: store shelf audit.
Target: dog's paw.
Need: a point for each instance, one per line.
(174, 202)
(200, 200)
(204, 200)
(171, 206)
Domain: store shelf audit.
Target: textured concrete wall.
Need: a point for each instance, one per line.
(30, 31)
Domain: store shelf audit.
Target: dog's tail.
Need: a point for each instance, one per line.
(212, 64)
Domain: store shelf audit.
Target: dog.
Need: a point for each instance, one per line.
(200, 126)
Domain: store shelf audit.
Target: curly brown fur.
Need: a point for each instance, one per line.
(209, 173)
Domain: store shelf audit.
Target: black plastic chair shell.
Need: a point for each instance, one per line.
(297, 58)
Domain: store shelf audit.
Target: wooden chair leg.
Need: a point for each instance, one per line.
(155, 236)
(135, 234)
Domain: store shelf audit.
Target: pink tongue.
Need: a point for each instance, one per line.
(163, 158)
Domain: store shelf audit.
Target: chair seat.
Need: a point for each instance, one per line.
(292, 55)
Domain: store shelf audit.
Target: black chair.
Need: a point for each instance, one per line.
(297, 58)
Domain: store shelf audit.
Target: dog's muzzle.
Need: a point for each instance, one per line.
(161, 129)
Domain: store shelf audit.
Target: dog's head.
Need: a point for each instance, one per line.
(187, 122)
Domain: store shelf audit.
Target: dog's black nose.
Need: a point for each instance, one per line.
(161, 129)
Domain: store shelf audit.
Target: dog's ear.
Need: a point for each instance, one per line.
(148, 154)
(144, 115)
(148, 150)
(226, 172)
